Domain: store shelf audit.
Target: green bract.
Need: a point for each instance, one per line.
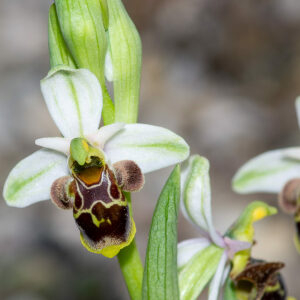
(58, 50)
(126, 56)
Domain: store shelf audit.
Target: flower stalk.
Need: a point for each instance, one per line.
(131, 265)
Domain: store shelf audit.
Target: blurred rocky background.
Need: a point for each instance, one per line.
(222, 73)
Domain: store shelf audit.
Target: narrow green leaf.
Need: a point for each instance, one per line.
(81, 24)
(58, 50)
(198, 272)
(126, 55)
(160, 274)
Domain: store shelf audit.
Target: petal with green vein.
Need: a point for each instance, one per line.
(267, 172)
(30, 180)
(196, 195)
(151, 147)
(74, 100)
(198, 272)
(187, 249)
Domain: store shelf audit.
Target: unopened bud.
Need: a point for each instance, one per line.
(126, 56)
(82, 24)
(58, 50)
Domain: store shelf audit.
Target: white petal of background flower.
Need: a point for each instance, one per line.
(293, 153)
(30, 180)
(216, 283)
(55, 143)
(151, 147)
(74, 100)
(187, 249)
(267, 172)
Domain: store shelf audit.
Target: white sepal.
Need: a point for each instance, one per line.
(31, 179)
(267, 172)
(74, 100)
(196, 196)
(150, 147)
(187, 249)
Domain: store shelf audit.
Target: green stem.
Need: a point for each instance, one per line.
(132, 270)
(131, 265)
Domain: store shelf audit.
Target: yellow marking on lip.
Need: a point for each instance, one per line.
(90, 175)
(96, 221)
(112, 250)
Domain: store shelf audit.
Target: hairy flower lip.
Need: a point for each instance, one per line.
(289, 196)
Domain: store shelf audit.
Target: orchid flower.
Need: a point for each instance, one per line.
(214, 256)
(276, 171)
(89, 168)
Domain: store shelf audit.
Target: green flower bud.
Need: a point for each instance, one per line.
(82, 24)
(59, 52)
(126, 56)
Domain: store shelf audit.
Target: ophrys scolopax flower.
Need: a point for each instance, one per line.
(89, 168)
(276, 171)
(215, 258)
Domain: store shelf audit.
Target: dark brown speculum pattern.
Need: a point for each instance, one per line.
(262, 275)
(100, 209)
